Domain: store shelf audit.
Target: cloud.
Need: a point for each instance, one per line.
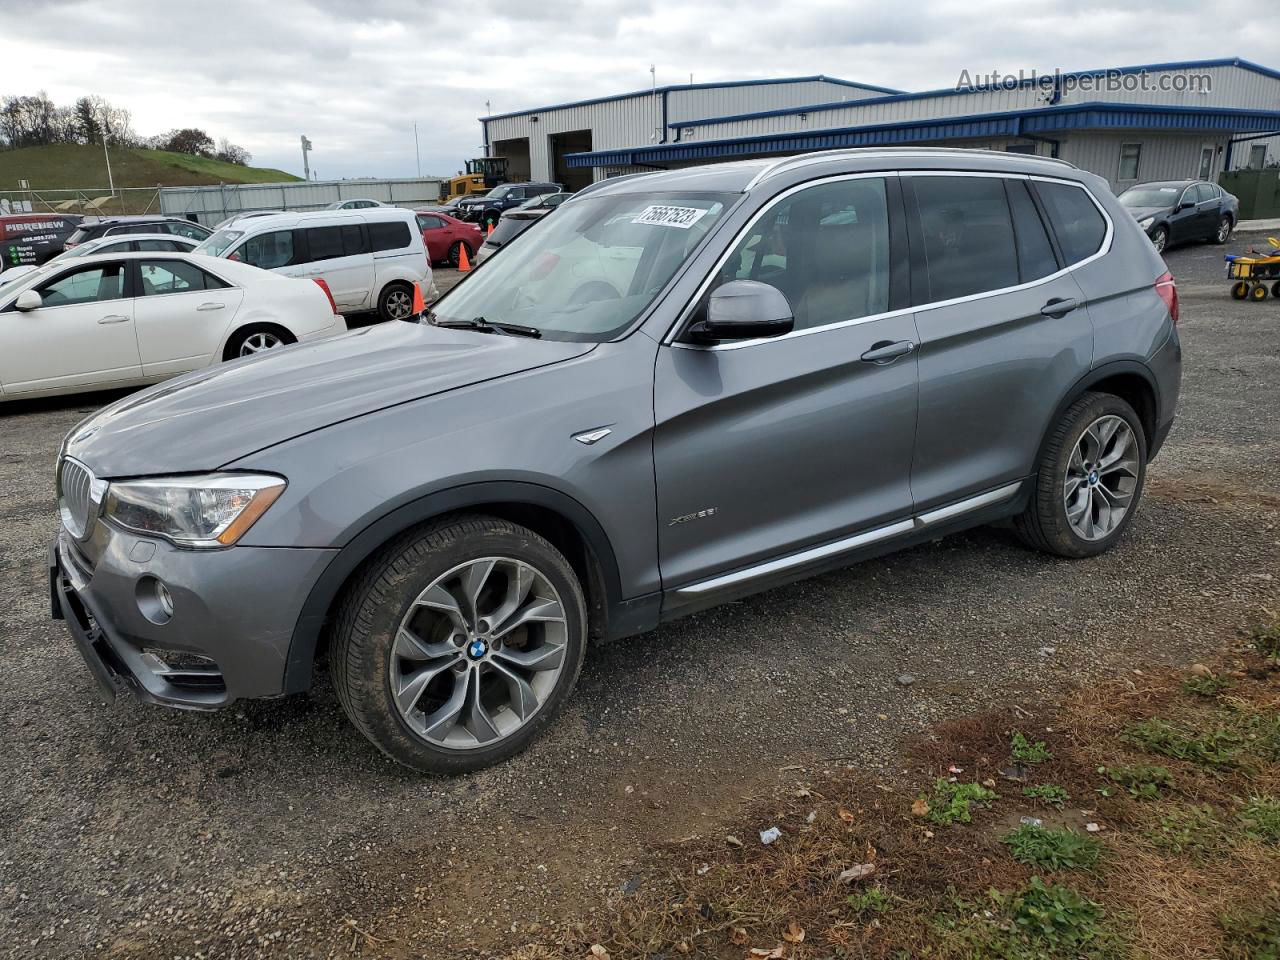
(355, 76)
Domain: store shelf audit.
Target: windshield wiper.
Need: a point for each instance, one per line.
(484, 326)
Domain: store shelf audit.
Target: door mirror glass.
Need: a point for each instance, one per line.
(744, 310)
(28, 300)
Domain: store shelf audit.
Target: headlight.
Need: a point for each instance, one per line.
(209, 511)
(1146, 222)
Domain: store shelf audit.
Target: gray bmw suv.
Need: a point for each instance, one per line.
(685, 387)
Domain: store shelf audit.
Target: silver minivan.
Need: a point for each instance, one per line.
(682, 388)
(370, 259)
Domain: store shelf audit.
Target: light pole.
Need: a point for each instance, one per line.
(417, 151)
(306, 165)
(111, 184)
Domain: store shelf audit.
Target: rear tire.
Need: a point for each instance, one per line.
(455, 253)
(1089, 480)
(425, 661)
(1224, 231)
(395, 302)
(255, 338)
(1258, 292)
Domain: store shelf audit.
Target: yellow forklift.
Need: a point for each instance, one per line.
(483, 174)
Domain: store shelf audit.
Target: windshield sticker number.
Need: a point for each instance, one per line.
(663, 216)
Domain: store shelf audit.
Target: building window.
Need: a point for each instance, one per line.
(1129, 154)
(1020, 148)
(1258, 156)
(1206, 163)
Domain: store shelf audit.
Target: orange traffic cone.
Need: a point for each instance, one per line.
(419, 307)
(490, 233)
(464, 262)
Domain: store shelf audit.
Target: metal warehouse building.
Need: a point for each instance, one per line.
(1152, 122)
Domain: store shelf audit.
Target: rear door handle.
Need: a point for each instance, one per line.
(886, 351)
(114, 318)
(1059, 306)
(211, 306)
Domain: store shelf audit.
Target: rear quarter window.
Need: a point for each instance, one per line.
(1075, 218)
(389, 236)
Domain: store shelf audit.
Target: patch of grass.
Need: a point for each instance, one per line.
(1252, 935)
(1053, 849)
(953, 802)
(1049, 793)
(1216, 748)
(1266, 640)
(1039, 922)
(871, 901)
(1260, 818)
(1208, 685)
(1024, 751)
(1142, 781)
(1195, 831)
(1263, 733)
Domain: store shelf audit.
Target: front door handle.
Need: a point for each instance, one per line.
(1059, 306)
(211, 306)
(887, 351)
(114, 318)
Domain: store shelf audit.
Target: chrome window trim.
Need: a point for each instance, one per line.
(668, 339)
(846, 544)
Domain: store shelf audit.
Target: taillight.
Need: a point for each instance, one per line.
(333, 304)
(1167, 287)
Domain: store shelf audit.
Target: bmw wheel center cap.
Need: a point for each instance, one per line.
(477, 649)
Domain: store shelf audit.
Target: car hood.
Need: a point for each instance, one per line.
(208, 419)
(1141, 213)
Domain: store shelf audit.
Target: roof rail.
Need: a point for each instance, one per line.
(592, 187)
(817, 156)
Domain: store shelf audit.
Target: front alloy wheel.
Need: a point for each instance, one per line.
(1160, 239)
(460, 643)
(1101, 478)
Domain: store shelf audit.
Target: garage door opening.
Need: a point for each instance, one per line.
(516, 152)
(560, 144)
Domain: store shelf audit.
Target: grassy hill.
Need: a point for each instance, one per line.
(67, 166)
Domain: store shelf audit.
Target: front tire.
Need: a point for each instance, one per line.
(1160, 239)
(395, 302)
(1089, 482)
(459, 644)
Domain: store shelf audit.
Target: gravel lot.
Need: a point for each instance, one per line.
(270, 829)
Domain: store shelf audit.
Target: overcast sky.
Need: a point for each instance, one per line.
(354, 76)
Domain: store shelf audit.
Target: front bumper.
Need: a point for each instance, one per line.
(234, 613)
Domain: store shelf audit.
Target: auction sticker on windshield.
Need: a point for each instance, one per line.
(664, 216)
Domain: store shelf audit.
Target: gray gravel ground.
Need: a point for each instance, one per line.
(274, 830)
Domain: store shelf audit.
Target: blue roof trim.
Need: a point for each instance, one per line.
(677, 87)
(1013, 123)
(931, 94)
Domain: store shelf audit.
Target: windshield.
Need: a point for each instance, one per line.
(588, 272)
(219, 243)
(1163, 196)
(499, 192)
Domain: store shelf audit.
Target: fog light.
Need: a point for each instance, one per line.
(154, 600)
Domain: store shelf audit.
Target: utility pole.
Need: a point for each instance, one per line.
(306, 164)
(111, 184)
(657, 119)
(417, 151)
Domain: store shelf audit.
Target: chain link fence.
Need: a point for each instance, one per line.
(88, 201)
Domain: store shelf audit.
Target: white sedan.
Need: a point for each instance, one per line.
(127, 319)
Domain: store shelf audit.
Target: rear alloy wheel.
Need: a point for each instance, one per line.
(1089, 481)
(1160, 239)
(252, 340)
(455, 253)
(396, 302)
(1224, 231)
(460, 644)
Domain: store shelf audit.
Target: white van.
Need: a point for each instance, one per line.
(370, 259)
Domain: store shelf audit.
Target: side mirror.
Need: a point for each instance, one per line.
(1185, 205)
(28, 300)
(744, 310)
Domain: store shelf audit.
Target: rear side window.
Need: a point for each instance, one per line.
(388, 236)
(353, 241)
(325, 243)
(1075, 219)
(968, 235)
(185, 228)
(150, 244)
(174, 276)
(1035, 253)
(267, 250)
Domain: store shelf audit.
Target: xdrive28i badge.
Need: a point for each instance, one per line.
(698, 515)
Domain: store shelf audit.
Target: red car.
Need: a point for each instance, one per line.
(445, 237)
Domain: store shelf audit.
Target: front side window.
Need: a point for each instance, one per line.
(1075, 218)
(967, 228)
(267, 250)
(86, 285)
(826, 248)
(1130, 154)
(174, 276)
(590, 270)
(353, 240)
